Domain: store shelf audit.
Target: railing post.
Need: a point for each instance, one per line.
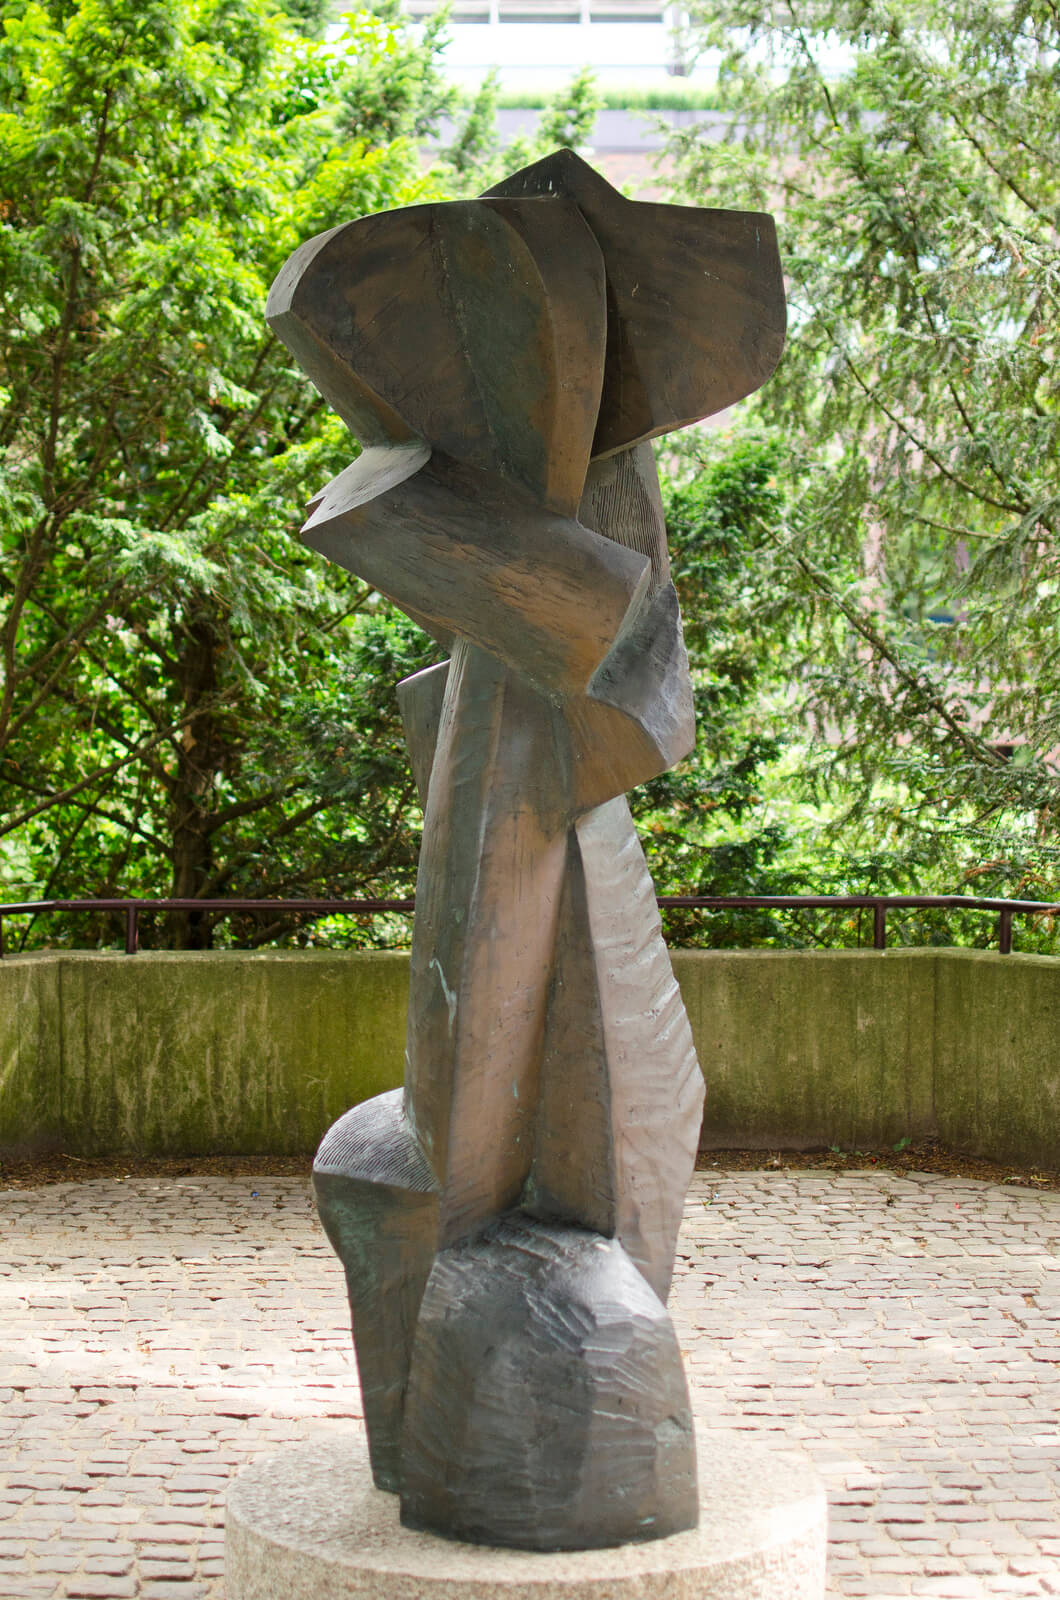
(132, 931)
(1, 938)
(879, 926)
(1004, 933)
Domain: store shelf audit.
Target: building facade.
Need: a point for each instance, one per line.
(540, 44)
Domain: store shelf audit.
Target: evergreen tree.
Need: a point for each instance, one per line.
(912, 153)
(190, 703)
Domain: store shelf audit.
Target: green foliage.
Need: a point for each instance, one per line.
(918, 196)
(707, 826)
(476, 146)
(677, 95)
(567, 119)
(390, 88)
(177, 672)
(308, 17)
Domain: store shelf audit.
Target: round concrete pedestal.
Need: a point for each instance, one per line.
(310, 1525)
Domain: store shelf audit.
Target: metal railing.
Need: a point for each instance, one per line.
(880, 905)
(132, 909)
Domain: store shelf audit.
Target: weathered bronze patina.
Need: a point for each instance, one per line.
(507, 1222)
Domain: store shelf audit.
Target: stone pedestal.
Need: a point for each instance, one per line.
(310, 1525)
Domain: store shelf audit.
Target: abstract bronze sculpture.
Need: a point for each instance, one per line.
(507, 1222)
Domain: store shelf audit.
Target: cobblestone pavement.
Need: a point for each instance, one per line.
(157, 1334)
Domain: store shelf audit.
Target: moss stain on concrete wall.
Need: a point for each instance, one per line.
(258, 1052)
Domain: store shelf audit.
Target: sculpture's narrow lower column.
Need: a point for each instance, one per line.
(487, 902)
(621, 1089)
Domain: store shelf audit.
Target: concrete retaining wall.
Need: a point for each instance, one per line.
(260, 1052)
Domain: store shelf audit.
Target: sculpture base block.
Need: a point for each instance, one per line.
(310, 1525)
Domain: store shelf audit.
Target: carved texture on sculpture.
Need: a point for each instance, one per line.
(507, 1222)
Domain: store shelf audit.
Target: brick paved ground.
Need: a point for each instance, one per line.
(905, 1332)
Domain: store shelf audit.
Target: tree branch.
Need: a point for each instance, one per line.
(872, 395)
(912, 680)
(229, 870)
(97, 776)
(1002, 177)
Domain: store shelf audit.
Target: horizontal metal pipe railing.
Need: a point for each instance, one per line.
(133, 908)
(880, 905)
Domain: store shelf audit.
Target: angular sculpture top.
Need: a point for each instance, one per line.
(507, 1222)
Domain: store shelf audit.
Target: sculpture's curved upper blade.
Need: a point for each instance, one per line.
(696, 307)
(451, 322)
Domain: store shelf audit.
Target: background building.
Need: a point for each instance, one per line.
(539, 44)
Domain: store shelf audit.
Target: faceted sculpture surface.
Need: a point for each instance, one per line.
(507, 1222)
